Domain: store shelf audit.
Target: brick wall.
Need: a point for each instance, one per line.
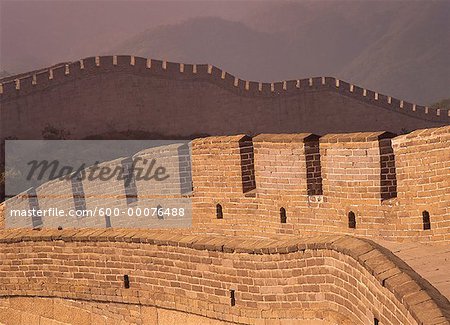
(366, 184)
(170, 102)
(358, 178)
(336, 278)
(57, 311)
(352, 180)
(287, 170)
(2, 215)
(423, 177)
(223, 180)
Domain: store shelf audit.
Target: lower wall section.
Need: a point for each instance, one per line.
(338, 279)
(57, 311)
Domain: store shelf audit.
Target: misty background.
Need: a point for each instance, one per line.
(399, 48)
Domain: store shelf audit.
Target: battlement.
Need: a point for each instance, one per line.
(15, 87)
(282, 246)
(369, 184)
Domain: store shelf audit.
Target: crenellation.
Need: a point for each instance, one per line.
(140, 66)
(278, 87)
(202, 70)
(90, 64)
(172, 68)
(24, 85)
(291, 87)
(317, 180)
(285, 86)
(395, 103)
(216, 76)
(58, 73)
(317, 82)
(41, 79)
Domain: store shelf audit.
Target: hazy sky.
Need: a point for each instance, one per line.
(399, 48)
(45, 31)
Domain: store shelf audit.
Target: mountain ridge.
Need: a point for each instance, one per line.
(403, 57)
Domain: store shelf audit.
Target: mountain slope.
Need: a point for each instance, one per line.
(398, 48)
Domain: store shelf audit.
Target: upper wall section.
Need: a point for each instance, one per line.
(105, 94)
(366, 184)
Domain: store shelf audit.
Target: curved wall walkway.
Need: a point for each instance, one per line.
(346, 279)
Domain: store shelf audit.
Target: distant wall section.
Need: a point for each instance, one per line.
(105, 94)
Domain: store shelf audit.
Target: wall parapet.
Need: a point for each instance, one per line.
(356, 137)
(367, 184)
(286, 138)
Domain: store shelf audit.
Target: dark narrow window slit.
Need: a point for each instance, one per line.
(232, 298)
(126, 281)
(351, 220)
(107, 221)
(426, 220)
(283, 217)
(219, 212)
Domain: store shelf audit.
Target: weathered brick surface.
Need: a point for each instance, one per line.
(57, 311)
(361, 173)
(423, 177)
(223, 174)
(283, 278)
(387, 183)
(2, 215)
